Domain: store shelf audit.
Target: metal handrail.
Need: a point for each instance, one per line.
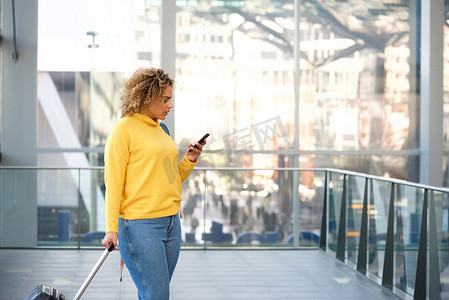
(342, 172)
(255, 151)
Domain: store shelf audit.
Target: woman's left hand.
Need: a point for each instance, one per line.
(193, 153)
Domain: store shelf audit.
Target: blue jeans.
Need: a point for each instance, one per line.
(150, 249)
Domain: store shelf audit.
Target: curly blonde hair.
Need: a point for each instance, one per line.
(144, 85)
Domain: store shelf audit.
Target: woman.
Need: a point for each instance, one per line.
(143, 184)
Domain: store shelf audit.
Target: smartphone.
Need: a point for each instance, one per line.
(200, 141)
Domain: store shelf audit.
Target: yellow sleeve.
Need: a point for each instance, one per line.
(185, 168)
(114, 178)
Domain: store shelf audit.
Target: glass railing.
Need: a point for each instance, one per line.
(392, 231)
(221, 207)
(233, 207)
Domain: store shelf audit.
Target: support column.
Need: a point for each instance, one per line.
(168, 51)
(18, 141)
(431, 104)
(296, 82)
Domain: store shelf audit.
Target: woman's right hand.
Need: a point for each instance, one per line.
(110, 237)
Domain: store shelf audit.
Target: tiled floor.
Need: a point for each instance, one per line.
(210, 274)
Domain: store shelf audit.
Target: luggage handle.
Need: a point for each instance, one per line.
(94, 271)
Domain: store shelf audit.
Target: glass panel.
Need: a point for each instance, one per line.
(441, 201)
(247, 208)
(356, 189)
(340, 108)
(70, 207)
(250, 208)
(335, 196)
(91, 190)
(193, 209)
(379, 200)
(360, 92)
(82, 63)
(234, 71)
(310, 207)
(408, 210)
(58, 208)
(18, 208)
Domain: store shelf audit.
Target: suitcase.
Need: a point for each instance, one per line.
(44, 292)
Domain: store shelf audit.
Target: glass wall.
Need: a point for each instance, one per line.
(235, 79)
(358, 74)
(82, 63)
(358, 86)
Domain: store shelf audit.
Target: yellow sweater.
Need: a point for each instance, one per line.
(142, 174)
